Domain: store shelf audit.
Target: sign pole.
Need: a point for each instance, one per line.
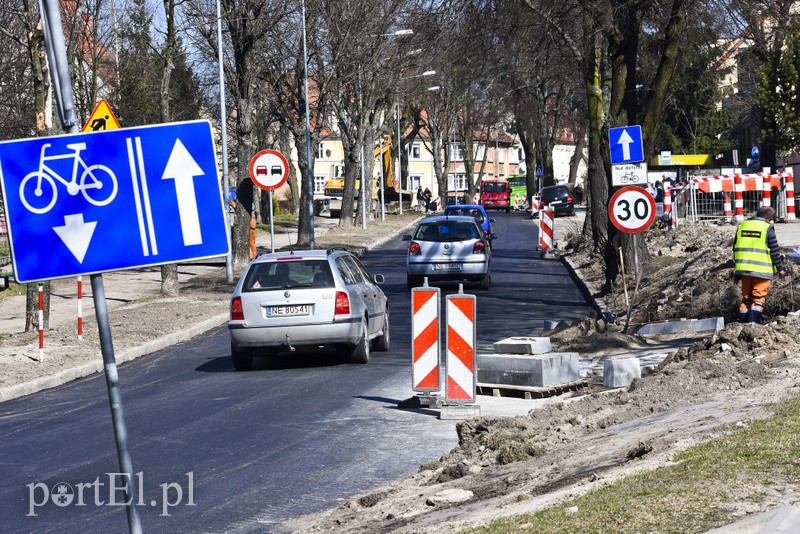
(635, 260)
(271, 224)
(56, 48)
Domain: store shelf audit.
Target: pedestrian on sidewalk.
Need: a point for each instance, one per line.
(253, 249)
(757, 258)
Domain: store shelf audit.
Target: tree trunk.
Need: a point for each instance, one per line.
(577, 156)
(285, 145)
(169, 272)
(240, 239)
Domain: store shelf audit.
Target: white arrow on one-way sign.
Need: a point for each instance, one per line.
(76, 234)
(625, 140)
(182, 168)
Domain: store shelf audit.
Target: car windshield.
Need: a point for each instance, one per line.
(287, 274)
(551, 193)
(469, 212)
(447, 231)
(495, 187)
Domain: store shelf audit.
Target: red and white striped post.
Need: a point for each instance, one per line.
(425, 305)
(790, 214)
(460, 363)
(738, 197)
(668, 203)
(766, 190)
(726, 205)
(534, 206)
(80, 307)
(546, 229)
(41, 323)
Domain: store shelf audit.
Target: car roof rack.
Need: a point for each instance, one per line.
(337, 248)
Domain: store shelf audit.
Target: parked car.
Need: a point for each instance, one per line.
(495, 194)
(448, 248)
(475, 211)
(559, 198)
(308, 300)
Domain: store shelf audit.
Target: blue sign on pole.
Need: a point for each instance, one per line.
(626, 144)
(94, 202)
(755, 152)
(538, 171)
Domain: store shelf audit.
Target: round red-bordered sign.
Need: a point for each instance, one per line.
(269, 169)
(632, 209)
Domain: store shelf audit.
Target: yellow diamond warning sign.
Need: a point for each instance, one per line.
(101, 119)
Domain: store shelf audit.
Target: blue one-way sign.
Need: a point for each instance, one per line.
(95, 202)
(626, 144)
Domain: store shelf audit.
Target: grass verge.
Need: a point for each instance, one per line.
(698, 492)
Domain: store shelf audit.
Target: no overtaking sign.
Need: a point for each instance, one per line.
(632, 209)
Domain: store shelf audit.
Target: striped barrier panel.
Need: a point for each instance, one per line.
(546, 229)
(668, 203)
(738, 198)
(41, 323)
(460, 363)
(790, 213)
(766, 193)
(438, 204)
(80, 307)
(534, 206)
(425, 305)
(726, 204)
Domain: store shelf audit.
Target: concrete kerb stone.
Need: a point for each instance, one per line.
(713, 324)
(96, 366)
(621, 371)
(523, 345)
(598, 305)
(541, 370)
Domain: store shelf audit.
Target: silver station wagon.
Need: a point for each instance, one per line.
(449, 248)
(311, 299)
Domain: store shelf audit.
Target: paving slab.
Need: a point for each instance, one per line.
(538, 370)
(523, 345)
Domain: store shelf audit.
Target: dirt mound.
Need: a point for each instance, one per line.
(733, 359)
(591, 335)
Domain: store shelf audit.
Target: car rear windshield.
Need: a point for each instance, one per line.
(469, 212)
(447, 231)
(552, 193)
(288, 274)
(495, 187)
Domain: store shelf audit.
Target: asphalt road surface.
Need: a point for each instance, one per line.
(298, 434)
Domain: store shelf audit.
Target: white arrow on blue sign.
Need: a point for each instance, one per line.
(120, 199)
(626, 144)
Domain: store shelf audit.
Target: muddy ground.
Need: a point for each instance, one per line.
(505, 466)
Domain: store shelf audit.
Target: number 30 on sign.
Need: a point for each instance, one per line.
(632, 209)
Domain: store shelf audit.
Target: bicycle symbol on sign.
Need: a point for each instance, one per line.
(38, 190)
(629, 177)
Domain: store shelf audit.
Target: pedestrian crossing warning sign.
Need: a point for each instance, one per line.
(101, 119)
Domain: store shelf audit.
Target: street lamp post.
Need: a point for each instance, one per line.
(224, 132)
(309, 170)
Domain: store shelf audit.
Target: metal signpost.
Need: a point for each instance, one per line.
(269, 170)
(632, 210)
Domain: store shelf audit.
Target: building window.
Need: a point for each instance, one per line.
(415, 180)
(319, 184)
(416, 151)
(456, 182)
(457, 151)
(321, 150)
(500, 155)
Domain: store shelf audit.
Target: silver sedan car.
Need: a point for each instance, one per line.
(310, 299)
(448, 248)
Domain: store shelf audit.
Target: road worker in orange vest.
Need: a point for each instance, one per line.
(757, 259)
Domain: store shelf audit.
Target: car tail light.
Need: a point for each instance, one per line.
(569, 199)
(479, 248)
(414, 249)
(342, 304)
(237, 314)
(486, 232)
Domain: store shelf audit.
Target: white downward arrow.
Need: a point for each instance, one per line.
(625, 140)
(182, 168)
(76, 234)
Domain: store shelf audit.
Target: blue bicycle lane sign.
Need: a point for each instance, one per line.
(120, 199)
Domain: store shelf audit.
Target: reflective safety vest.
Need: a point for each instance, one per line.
(750, 252)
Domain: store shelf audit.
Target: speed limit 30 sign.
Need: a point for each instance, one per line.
(632, 209)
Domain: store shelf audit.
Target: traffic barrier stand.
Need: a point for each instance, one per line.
(460, 386)
(546, 218)
(766, 193)
(534, 206)
(668, 205)
(425, 351)
(790, 213)
(727, 207)
(41, 323)
(738, 197)
(80, 307)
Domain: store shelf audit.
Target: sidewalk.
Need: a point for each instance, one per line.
(142, 321)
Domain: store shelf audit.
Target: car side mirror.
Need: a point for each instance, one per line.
(492, 220)
(407, 237)
(378, 279)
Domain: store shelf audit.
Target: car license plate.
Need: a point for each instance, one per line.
(289, 311)
(447, 266)
(557, 202)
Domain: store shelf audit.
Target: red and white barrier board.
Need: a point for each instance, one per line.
(790, 214)
(546, 229)
(534, 205)
(460, 364)
(425, 306)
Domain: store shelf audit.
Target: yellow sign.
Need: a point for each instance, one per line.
(698, 160)
(101, 119)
